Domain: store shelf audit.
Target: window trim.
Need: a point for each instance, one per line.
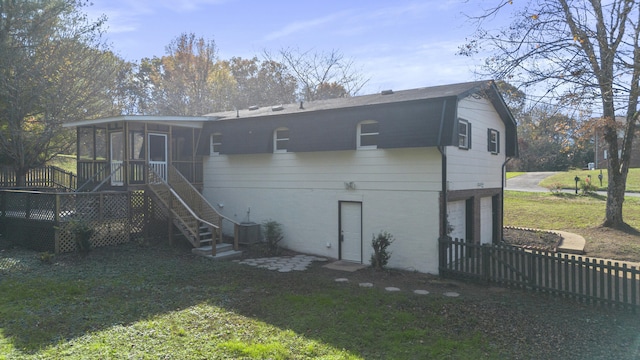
(490, 142)
(277, 139)
(467, 135)
(212, 144)
(360, 134)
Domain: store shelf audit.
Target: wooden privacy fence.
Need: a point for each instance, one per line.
(43, 177)
(591, 281)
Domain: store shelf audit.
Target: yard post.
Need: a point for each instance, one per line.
(486, 254)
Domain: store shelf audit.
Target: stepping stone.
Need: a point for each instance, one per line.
(421, 292)
(342, 280)
(391, 288)
(366, 285)
(285, 269)
(451, 294)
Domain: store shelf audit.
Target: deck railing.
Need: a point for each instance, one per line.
(41, 177)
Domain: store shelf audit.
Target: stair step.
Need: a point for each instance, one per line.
(223, 251)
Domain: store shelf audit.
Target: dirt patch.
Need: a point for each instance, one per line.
(532, 239)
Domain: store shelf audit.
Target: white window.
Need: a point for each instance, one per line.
(280, 140)
(216, 142)
(464, 134)
(493, 139)
(368, 134)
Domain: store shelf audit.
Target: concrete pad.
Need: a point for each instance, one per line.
(571, 243)
(451, 294)
(421, 292)
(392, 289)
(366, 285)
(345, 266)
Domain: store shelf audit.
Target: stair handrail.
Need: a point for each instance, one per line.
(195, 216)
(173, 171)
(177, 210)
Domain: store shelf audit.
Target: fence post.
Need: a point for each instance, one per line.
(486, 258)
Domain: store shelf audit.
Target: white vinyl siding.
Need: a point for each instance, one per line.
(476, 168)
(399, 190)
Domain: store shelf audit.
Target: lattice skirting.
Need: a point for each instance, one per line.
(115, 217)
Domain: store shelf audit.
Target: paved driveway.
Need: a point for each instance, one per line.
(528, 181)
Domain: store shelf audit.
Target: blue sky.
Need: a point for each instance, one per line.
(398, 44)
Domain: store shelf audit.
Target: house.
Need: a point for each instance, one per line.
(420, 164)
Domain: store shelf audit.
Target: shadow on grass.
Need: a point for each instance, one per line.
(572, 195)
(45, 305)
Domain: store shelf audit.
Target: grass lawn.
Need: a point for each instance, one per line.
(567, 179)
(579, 214)
(162, 302)
(65, 162)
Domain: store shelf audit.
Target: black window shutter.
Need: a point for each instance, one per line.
(469, 135)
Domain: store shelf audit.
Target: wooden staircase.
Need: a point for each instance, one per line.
(190, 213)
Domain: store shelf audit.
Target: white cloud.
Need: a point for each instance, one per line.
(302, 26)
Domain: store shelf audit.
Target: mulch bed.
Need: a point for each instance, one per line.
(532, 239)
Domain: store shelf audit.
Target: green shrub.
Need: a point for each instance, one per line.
(272, 231)
(82, 232)
(46, 257)
(381, 255)
(588, 186)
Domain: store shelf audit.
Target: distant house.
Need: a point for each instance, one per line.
(419, 164)
(602, 148)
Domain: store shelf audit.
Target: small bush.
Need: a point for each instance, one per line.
(588, 186)
(381, 255)
(82, 232)
(555, 187)
(272, 231)
(46, 257)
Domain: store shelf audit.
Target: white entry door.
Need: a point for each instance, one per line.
(351, 231)
(117, 159)
(158, 154)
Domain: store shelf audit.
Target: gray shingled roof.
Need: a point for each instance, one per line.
(434, 92)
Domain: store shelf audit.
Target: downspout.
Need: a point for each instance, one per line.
(442, 150)
(504, 180)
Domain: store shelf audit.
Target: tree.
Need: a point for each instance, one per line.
(262, 84)
(321, 75)
(54, 68)
(580, 53)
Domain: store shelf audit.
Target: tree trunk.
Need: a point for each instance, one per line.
(615, 198)
(21, 177)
